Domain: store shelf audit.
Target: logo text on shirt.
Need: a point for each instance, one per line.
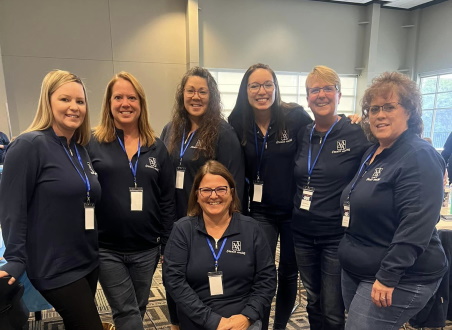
(341, 146)
(284, 138)
(236, 248)
(152, 164)
(376, 175)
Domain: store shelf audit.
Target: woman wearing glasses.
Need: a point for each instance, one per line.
(267, 129)
(218, 265)
(328, 156)
(391, 255)
(196, 134)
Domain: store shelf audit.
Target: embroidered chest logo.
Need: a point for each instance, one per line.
(198, 145)
(91, 169)
(341, 146)
(284, 138)
(152, 164)
(376, 175)
(236, 248)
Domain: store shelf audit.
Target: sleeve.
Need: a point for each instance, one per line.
(174, 273)
(264, 286)
(418, 194)
(447, 151)
(167, 195)
(230, 154)
(17, 187)
(165, 134)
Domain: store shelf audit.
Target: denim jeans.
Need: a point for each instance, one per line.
(287, 270)
(320, 273)
(407, 300)
(126, 280)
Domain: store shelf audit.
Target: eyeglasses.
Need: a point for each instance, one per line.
(387, 107)
(326, 89)
(207, 192)
(269, 86)
(191, 92)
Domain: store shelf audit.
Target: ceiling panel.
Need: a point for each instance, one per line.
(404, 4)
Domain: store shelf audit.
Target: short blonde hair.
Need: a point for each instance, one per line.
(44, 116)
(216, 168)
(321, 72)
(106, 131)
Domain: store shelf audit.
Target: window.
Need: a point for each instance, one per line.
(436, 93)
(291, 86)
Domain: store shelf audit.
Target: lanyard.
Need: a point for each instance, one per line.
(133, 168)
(259, 156)
(358, 176)
(216, 256)
(182, 149)
(311, 167)
(83, 177)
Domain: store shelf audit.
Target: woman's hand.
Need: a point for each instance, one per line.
(224, 324)
(356, 119)
(3, 274)
(235, 322)
(381, 294)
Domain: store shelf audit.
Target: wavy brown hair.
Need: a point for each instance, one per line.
(385, 85)
(210, 122)
(106, 131)
(216, 168)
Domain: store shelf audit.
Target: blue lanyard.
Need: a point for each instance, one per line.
(311, 167)
(358, 176)
(259, 156)
(182, 149)
(83, 177)
(133, 168)
(216, 256)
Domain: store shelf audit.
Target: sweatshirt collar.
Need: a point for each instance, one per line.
(233, 228)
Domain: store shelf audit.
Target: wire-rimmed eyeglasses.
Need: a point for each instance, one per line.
(202, 93)
(254, 87)
(219, 191)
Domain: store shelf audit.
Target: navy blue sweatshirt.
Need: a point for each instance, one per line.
(227, 152)
(335, 167)
(249, 274)
(394, 208)
(277, 164)
(121, 229)
(42, 211)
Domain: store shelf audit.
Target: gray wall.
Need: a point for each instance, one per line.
(93, 39)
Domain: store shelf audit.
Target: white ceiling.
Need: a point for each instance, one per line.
(405, 4)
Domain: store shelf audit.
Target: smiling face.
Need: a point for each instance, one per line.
(195, 105)
(323, 104)
(68, 105)
(125, 104)
(262, 99)
(214, 206)
(388, 126)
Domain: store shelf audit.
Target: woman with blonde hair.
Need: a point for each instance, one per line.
(136, 211)
(49, 192)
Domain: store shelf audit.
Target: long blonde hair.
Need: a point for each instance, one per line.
(105, 131)
(44, 116)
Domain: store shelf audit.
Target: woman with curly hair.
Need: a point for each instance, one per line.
(198, 133)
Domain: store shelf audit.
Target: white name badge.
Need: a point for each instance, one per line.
(346, 216)
(306, 198)
(89, 216)
(258, 190)
(215, 283)
(180, 174)
(136, 199)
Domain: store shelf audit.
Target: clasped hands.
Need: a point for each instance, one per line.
(235, 322)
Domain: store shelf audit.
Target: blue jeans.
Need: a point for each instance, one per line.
(320, 273)
(287, 270)
(363, 314)
(126, 280)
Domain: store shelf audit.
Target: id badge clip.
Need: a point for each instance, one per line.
(180, 174)
(215, 283)
(89, 216)
(306, 198)
(346, 216)
(136, 198)
(258, 191)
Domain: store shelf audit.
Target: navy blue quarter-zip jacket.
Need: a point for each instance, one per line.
(42, 210)
(121, 229)
(394, 208)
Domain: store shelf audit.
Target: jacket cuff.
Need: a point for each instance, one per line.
(387, 278)
(14, 269)
(213, 321)
(251, 314)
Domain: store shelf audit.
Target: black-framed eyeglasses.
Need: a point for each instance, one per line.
(326, 89)
(190, 92)
(387, 107)
(207, 192)
(269, 86)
